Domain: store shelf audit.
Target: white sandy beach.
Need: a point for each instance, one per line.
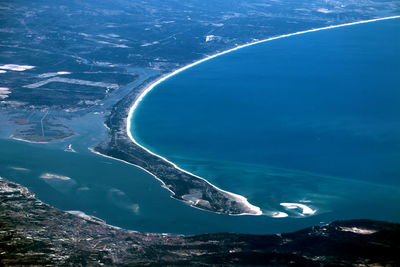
(238, 197)
(254, 210)
(305, 210)
(55, 176)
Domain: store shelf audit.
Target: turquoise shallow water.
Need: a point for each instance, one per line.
(310, 119)
(118, 193)
(205, 127)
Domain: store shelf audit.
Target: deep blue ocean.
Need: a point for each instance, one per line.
(312, 119)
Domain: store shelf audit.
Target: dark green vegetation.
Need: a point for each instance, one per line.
(34, 233)
(123, 43)
(96, 56)
(185, 187)
(278, 105)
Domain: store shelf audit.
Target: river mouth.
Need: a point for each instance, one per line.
(127, 197)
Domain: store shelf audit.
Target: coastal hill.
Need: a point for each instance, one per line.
(71, 70)
(70, 73)
(34, 233)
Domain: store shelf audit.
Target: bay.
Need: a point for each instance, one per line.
(312, 119)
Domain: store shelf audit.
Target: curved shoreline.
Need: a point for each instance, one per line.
(255, 210)
(163, 185)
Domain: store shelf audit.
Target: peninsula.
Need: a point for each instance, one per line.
(97, 60)
(56, 238)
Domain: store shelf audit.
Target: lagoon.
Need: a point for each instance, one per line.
(257, 122)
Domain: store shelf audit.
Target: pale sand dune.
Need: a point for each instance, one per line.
(305, 210)
(255, 210)
(277, 214)
(55, 176)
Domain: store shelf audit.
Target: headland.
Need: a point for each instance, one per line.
(185, 186)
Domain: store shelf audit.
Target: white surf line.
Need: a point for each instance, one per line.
(132, 109)
(27, 141)
(305, 210)
(163, 183)
(126, 162)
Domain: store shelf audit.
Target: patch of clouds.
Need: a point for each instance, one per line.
(13, 104)
(15, 67)
(135, 208)
(121, 200)
(325, 11)
(112, 44)
(117, 192)
(150, 44)
(83, 188)
(210, 38)
(4, 92)
(19, 169)
(52, 74)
